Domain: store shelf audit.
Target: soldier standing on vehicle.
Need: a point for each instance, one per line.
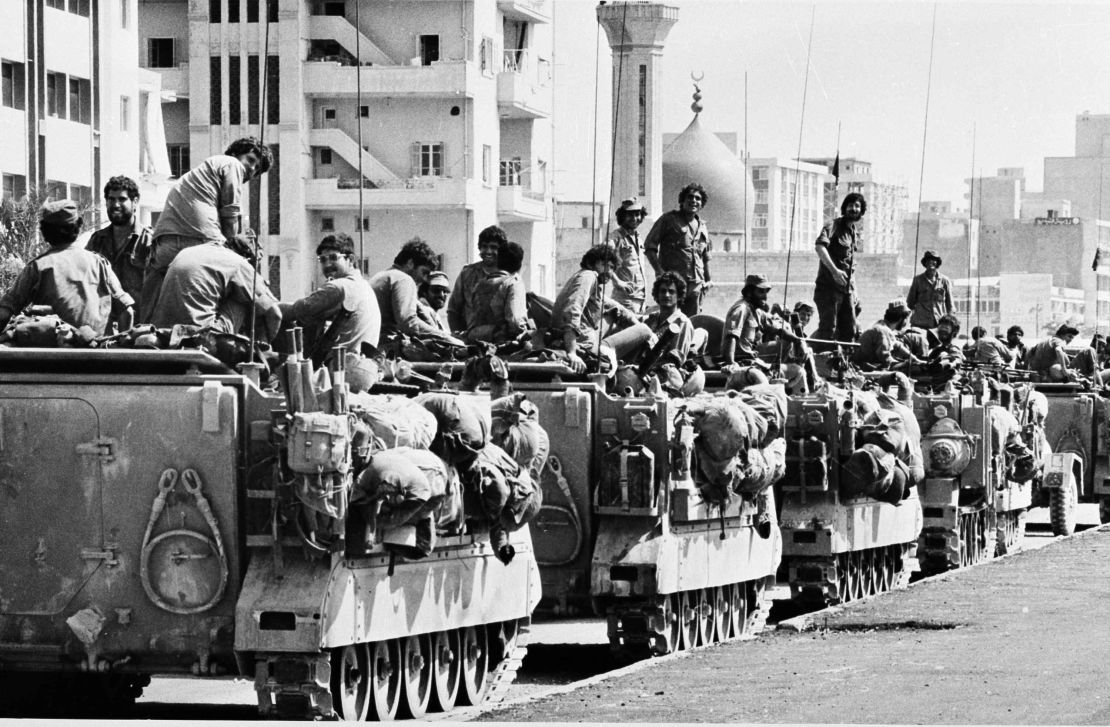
(834, 293)
(77, 284)
(679, 241)
(628, 279)
(490, 241)
(125, 242)
(930, 296)
(204, 206)
(345, 304)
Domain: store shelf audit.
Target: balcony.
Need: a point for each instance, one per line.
(347, 148)
(531, 11)
(424, 192)
(524, 86)
(517, 204)
(175, 81)
(441, 79)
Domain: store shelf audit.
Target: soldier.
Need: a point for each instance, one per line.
(988, 349)
(629, 282)
(879, 346)
(77, 284)
(216, 286)
(490, 241)
(673, 336)
(204, 206)
(345, 300)
(433, 298)
(804, 312)
(1049, 358)
(497, 312)
(1014, 335)
(396, 291)
(930, 295)
(834, 293)
(576, 315)
(679, 241)
(125, 242)
(746, 323)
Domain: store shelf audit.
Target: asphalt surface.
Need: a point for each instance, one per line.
(1019, 640)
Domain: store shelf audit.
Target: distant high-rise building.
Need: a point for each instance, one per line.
(1082, 178)
(996, 199)
(433, 118)
(789, 209)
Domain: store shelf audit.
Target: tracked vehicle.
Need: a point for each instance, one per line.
(838, 548)
(150, 524)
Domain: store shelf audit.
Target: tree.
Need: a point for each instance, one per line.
(19, 234)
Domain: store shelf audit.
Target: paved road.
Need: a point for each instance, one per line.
(563, 651)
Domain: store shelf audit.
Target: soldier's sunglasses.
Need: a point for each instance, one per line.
(328, 257)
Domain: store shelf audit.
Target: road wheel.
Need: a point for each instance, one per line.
(475, 665)
(737, 610)
(349, 681)
(416, 661)
(671, 626)
(1061, 507)
(704, 616)
(855, 563)
(385, 679)
(446, 672)
(687, 612)
(718, 601)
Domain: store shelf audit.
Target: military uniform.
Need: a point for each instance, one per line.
(682, 247)
(351, 306)
(629, 273)
(129, 259)
(836, 304)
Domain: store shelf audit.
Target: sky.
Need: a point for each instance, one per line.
(1010, 76)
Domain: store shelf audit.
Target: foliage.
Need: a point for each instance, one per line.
(19, 234)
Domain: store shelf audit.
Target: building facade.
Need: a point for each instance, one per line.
(789, 208)
(387, 121)
(75, 105)
(886, 203)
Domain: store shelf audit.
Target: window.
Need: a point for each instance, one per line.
(328, 117)
(327, 224)
(252, 11)
(82, 195)
(56, 94)
(234, 100)
(79, 7)
(364, 112)
(14, 86)
(15, 186)
(427, 159)
(214, 11)
(487, 164)
(273, 85)
(56, 189)
(335, 8)
(124, 113)
(233, 11)
(179, 158)
(366, 224)
(272, 11)
(160, 52)
(125, 14)
(485, 56)
(761, 196)
(759, 220)
(429, 49)
(80, 100)
(325, 156)
(510, 172)
(274, 270)
(59, 4)
(215, 91)
(759, 173)
(253, 88)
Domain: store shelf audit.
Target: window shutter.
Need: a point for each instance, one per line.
(441, 166)
(414, 158)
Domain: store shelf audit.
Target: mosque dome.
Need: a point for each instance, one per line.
(698, 155)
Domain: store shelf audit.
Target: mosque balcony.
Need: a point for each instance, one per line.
(334, 78)
(531, 11)
(425, 192)
(524, 86)
(517, 204)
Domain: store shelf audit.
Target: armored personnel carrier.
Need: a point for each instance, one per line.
(152, 521)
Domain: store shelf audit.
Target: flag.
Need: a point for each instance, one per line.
(836, 168)
(1098, 259)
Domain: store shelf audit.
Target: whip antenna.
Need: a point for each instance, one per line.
(798, 162)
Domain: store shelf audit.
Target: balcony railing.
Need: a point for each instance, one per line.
(424, 183)
(522, 61)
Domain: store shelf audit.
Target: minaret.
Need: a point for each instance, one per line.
(636, 31)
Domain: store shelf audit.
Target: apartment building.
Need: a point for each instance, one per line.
(432, 117)
(886, 203)
(75, 107)
(789, 204)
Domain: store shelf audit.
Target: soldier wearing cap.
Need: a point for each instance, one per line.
(433, 298)
(77, 284)
(930, 296)
(627, 278)
(746, 324)
(880, 348)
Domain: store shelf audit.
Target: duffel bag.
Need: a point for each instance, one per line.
(395, 421)
(515, 427)
(462, 425)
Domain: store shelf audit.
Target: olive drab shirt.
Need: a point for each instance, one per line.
(747, 324)
(350, 303)
(497, 309)
(682, 247)
(880, 347)
(632, 290)
(843, 239)
(930, 300)
(129, 259)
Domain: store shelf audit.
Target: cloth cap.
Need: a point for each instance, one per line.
(801, 305)
(60, 212)
(438, 279)
(757, 281)
(631, 205)
(930, 255)
(898, 306)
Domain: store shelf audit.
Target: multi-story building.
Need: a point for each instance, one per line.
(886, 203)
(388, 120)
(1082, 178)
(952, 235)
(996, 199)
(789, 204)
(1034, 301)
(74, 105)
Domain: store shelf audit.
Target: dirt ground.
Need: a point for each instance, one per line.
(1021, 640)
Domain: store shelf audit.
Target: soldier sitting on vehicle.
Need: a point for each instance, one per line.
(673, 336)
(433, 299)
(496, 311)
(746, 323)
(879, 347)
(988, 350)
(1049, 358)
(78, 285)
